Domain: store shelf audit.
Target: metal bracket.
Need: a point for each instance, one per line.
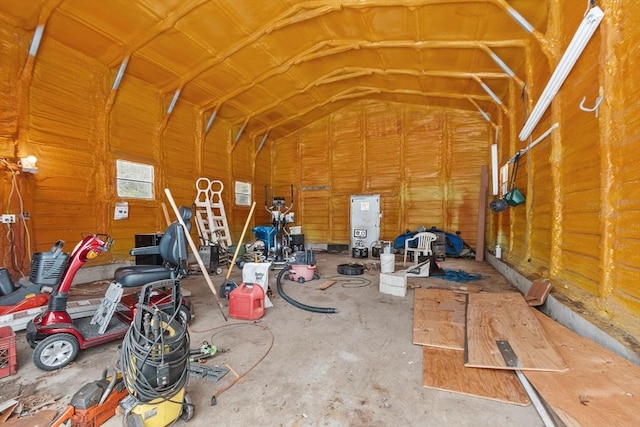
(596, 107)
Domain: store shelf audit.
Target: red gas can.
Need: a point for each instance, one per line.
(246, 302)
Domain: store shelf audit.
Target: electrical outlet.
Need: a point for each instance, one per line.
(26, 215)
(8, 219)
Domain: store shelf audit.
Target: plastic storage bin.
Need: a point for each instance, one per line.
(8, 360)
(47, 267)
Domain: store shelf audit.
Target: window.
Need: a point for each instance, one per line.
(134, 180)
(243, 193)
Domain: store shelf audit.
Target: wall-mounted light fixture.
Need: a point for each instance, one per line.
(28, 164)
(582, 36)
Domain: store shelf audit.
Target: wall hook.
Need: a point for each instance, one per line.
(596, 107)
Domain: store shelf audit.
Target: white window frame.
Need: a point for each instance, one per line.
(242, 193)
(135, 180)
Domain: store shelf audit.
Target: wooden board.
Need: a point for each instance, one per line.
(325, 284)
(438, 318)
(444, 369)
(507, 317)
(599, 389)
(463, 289)
(482, 212)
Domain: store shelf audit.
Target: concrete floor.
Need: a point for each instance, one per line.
(358, 367)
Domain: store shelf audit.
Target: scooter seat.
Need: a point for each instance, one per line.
(138, 275)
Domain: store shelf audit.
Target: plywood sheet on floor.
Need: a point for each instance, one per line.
(444, 369)
(464, 289)
(507, 317)
(439, 318)
(599, 388)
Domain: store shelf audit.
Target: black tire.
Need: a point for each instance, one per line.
(55, 352)
(187, 408)
(300, 279)
(185, 313)
(316, 276)
(351, 269)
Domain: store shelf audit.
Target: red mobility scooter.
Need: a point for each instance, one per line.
(45, 274)
(56, 338)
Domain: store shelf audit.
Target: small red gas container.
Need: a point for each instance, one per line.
(246, 302)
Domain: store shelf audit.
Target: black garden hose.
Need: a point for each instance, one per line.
(287, 298)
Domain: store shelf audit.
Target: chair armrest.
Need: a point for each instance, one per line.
(145, 250)
(406, 242)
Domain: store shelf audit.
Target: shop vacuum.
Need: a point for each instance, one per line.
(302, 266)
(154, 363)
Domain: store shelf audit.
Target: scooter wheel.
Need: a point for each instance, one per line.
(134, 420)
(55, 352)
(187, 408)
(185, 314)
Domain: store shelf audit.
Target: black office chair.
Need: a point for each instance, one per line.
(172, 249)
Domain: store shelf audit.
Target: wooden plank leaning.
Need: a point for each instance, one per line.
(195, 251)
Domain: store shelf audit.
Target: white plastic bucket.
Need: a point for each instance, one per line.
(296, 229)
(387, 263)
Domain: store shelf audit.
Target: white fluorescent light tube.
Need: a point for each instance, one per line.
(37, 38)
(173, 101)
(584, 33)
(121, 70)
(520, 19)
(264, 139)
(484, 114)
(490, 92)
(494, 167)
(502, 64)
(241, 130)
(211, 119)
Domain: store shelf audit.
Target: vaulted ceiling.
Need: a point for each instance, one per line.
(277, 65)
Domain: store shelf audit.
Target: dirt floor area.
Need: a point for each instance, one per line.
(357, 367)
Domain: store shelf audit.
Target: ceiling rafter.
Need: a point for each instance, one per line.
(332, 47)
(356, 72)
(290, 17)
(363, 91)
(306, 11)
(165, 24)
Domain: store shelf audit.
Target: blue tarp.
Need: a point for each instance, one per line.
(454, 244)
(459, 276)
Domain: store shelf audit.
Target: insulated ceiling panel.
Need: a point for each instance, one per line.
(281, 64)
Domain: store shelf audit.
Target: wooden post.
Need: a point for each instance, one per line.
(482, 212)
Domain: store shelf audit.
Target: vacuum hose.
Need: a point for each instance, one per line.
(287, 298)
(155, 355)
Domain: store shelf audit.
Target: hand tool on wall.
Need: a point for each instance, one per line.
(195, 251)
